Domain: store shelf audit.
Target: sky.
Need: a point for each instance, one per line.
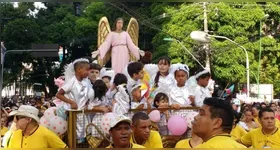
(37, 5)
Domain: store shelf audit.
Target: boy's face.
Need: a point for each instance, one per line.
(84, 71)
(93, 74)
(139, 75)
(136, 94)
(107, 82)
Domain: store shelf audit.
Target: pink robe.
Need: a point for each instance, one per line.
(121, 43)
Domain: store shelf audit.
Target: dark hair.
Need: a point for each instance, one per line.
(221, 109)
(134, 68)
(100, 89)
(89, 58)
(258, 107)
(107, 77)
(139, 116)
(159, 97)
(80, 64)
(120, 79)
(95, 66)
(248, 110)
(263, 103)
(266, 109)
(237, 116)
(166, 60)
(272, 104)
(115, 24)
(147, 58)
(203, 76)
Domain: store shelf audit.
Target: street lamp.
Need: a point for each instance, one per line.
(260, 53)
(171, 39)
(205, 38)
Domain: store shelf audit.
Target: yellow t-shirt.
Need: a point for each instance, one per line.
(4, 130)
(133, 146)
(237, 132)
(277, 123)
(184, 144)
(221, 141)
(154, 140)
(41, 138)
(257, 139)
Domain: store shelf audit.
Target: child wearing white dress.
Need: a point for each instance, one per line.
(121, 99)
(99, 103)
(161, 101)
(163, 77)
(75, 93)
(198, 87)
(179, 93)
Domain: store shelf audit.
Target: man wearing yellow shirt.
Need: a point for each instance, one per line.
(192, 142)
(214, 123)
(266, 137)
(29, 133)
(120, 131)
(142, 133)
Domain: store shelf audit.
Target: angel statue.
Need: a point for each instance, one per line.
(118, 44)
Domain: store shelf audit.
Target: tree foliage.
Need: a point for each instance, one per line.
(78, 34)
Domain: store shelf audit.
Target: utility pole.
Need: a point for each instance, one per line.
(206, 45)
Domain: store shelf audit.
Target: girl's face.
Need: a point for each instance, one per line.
(119, 25)
(162, 103)
(163, 66)
(181, 77)
(248, 116)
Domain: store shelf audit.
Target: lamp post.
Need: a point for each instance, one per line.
(205, 38)
(260, 52)
(171, 39)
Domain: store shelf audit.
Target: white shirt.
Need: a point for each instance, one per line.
(200, 94)
(179, 95)
(168, 80)
(121, 106)
(79, 91)
(97, 102)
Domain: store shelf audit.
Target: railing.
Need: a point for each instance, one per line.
(72, 119)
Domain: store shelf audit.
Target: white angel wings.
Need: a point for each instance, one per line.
(104, 30)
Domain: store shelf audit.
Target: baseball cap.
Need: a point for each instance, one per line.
(119, 118)
(142, 87)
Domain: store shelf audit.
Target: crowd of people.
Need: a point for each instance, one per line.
(219, 124)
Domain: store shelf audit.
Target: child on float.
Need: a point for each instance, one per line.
(179, 93)
(198, 87)
(100, 103)
(75, 94)
(161, 100)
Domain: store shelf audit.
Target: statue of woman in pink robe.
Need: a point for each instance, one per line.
(121, 45)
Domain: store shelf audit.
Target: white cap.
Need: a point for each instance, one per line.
(119, 118)
(137, 85)
(27, 111)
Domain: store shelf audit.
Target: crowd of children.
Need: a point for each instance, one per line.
(88, 86)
